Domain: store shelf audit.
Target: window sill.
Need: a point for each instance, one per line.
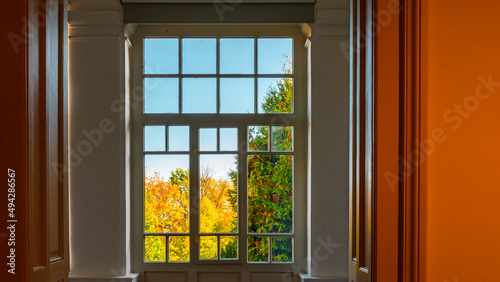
(133, 277)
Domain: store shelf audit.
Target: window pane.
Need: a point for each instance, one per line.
(228, 139)
(161, 56)
(275, 55)
(270, 199)
(178, 138)
(275, 95)
(199, 95)
(154, 248)
(237, 95)
(154, 138)
(282, 138)
(218, 194)
(237, 55)
(258, 138)
(166, 201)
(229, 247)
(208, 247)
(199, 56)
(178, 249)
(161, 95)
(282, 249)
(258, 250)
(208, 139)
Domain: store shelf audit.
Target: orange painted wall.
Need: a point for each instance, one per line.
(387, 68)
(464, 170)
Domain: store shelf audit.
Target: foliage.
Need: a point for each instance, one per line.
(270, 198)
(270, 180)
(167, 211)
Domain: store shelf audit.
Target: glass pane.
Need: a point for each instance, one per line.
(237, 95)
(237, 55)
(282, 138)
(166, 201)
(258, 138)
(275, 55)
(199, 55)
(178, 249)
(218, 194)
(208, 247)
(161, 95)
(208, 139)
(154, 248)
(275, 95)
(270, 188)
(258, 250)
(282, 249)
(154, 138)
(199, 95)
(228, 139)
(178, 138)
(161, 56)
(229, 247)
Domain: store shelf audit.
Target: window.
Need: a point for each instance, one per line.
(222, 129)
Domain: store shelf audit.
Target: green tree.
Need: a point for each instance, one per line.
(270, 179)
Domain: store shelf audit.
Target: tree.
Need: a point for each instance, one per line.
(270, 179)
(167, 211)
(270, 197)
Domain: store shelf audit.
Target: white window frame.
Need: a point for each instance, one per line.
(297, 119)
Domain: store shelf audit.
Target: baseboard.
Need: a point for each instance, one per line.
(309, 278)
(133, 277)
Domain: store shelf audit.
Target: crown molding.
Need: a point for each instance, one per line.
(94, 18)
(331, 24)
(129, 30)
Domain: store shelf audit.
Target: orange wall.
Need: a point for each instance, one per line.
(464, 170)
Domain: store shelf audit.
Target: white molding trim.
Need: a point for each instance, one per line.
(331, 23)
(94, 18)
(129, 30)
(133, 277)
(308, 278)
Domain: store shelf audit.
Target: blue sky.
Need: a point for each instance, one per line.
(199, 94)
(199, 56)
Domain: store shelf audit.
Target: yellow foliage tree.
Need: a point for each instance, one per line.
(167, 211)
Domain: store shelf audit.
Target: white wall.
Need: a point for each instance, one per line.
(98, 182)
(328, 220)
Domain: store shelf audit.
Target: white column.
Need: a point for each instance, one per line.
(99, 189)
(328, 164)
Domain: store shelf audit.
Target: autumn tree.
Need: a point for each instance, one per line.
(270, 185)
(270, 196)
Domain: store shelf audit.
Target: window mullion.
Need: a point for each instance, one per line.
(242, 193)
(255, 71)
(217, 72)
(194, 192)
(180, 75)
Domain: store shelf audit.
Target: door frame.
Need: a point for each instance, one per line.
(413, 130)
